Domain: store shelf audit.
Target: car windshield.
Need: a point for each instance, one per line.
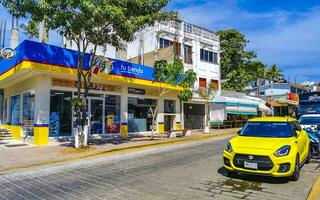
(267, 129)
(309, 120)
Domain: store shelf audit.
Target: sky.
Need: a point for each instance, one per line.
(282, 32)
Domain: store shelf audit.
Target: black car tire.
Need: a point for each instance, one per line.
(296, 174)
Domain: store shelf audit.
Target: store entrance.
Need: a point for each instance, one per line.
(193, 116)
(168, 122)
(95, 115)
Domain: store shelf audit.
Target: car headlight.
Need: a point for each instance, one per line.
(283, 151)
(228, 147)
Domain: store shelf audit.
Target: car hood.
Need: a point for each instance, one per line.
(258, 142)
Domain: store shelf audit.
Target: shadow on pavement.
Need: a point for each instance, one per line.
(115, 140)
(252, 178)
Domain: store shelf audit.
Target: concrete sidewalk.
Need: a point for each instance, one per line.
(23, 157)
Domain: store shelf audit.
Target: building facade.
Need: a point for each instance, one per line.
(283, 98)
(198, 48)
(38, 85)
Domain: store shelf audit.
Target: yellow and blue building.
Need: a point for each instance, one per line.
(38, 83)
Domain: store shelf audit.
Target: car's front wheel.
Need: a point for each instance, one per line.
(296, 174)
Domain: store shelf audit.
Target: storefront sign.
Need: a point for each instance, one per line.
(314, 97)
(293, 97)
(136, 91)
(54, 127)
(102, 64)
(131, 70)
(8, 53)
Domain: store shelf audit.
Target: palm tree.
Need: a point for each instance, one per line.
(274, 73)
(31, 29)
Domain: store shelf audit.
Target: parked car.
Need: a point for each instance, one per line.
(314, 137)
(271, 146)
(310, 121)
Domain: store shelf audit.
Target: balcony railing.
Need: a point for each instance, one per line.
(190, 29)
(238, 95)
(196, 30)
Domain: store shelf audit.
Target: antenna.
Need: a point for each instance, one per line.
(1, 25)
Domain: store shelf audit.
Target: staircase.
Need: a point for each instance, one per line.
(5, 134)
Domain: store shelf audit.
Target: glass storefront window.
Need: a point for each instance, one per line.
(139, 114)
(15, 110)
(169, 106)
(28, 113)
(112, 114)
(60, 113)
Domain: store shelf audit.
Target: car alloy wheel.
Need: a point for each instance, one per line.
(296, 174)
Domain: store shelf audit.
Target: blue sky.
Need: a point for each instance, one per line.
(282, 32)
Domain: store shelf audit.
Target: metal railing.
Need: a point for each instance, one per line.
(233, 94)
(190, 29)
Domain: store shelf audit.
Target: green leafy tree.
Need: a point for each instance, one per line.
(95, 22)
(237, 65)
(274, 73)
(172, 74)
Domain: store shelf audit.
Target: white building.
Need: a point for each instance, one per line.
(198, 48)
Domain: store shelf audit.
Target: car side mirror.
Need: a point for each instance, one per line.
(239, 131)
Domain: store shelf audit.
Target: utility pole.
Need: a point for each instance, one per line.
(1, 25)
(43, 32)
(14, 37)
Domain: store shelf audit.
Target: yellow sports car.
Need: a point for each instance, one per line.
(271, 146)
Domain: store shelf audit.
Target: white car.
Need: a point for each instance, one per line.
(310, 121)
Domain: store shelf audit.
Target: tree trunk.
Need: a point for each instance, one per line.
(154, 115)
(206, 129)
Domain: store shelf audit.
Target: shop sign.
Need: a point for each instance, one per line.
(131, 70)
(54, 127)
(8, 53)
(293, 97)
(314, 97)
(136, 91)
(101, 64)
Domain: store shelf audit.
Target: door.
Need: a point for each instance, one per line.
(193, 116)
(168, 122)
(301, 142)
(96, 115)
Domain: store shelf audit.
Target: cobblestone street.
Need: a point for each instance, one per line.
(183, 171)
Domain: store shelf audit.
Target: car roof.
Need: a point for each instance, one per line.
(273, 119)
(311, 115)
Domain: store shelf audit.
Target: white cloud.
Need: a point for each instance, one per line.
(290, 39)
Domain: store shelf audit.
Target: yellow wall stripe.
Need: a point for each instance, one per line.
(57, 69)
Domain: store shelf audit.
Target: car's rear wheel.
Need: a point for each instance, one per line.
(296, 174)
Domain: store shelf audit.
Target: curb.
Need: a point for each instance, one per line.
(118, 150)
(315, 190)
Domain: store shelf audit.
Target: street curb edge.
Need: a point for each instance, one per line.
(118, 150)
(315, 190)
